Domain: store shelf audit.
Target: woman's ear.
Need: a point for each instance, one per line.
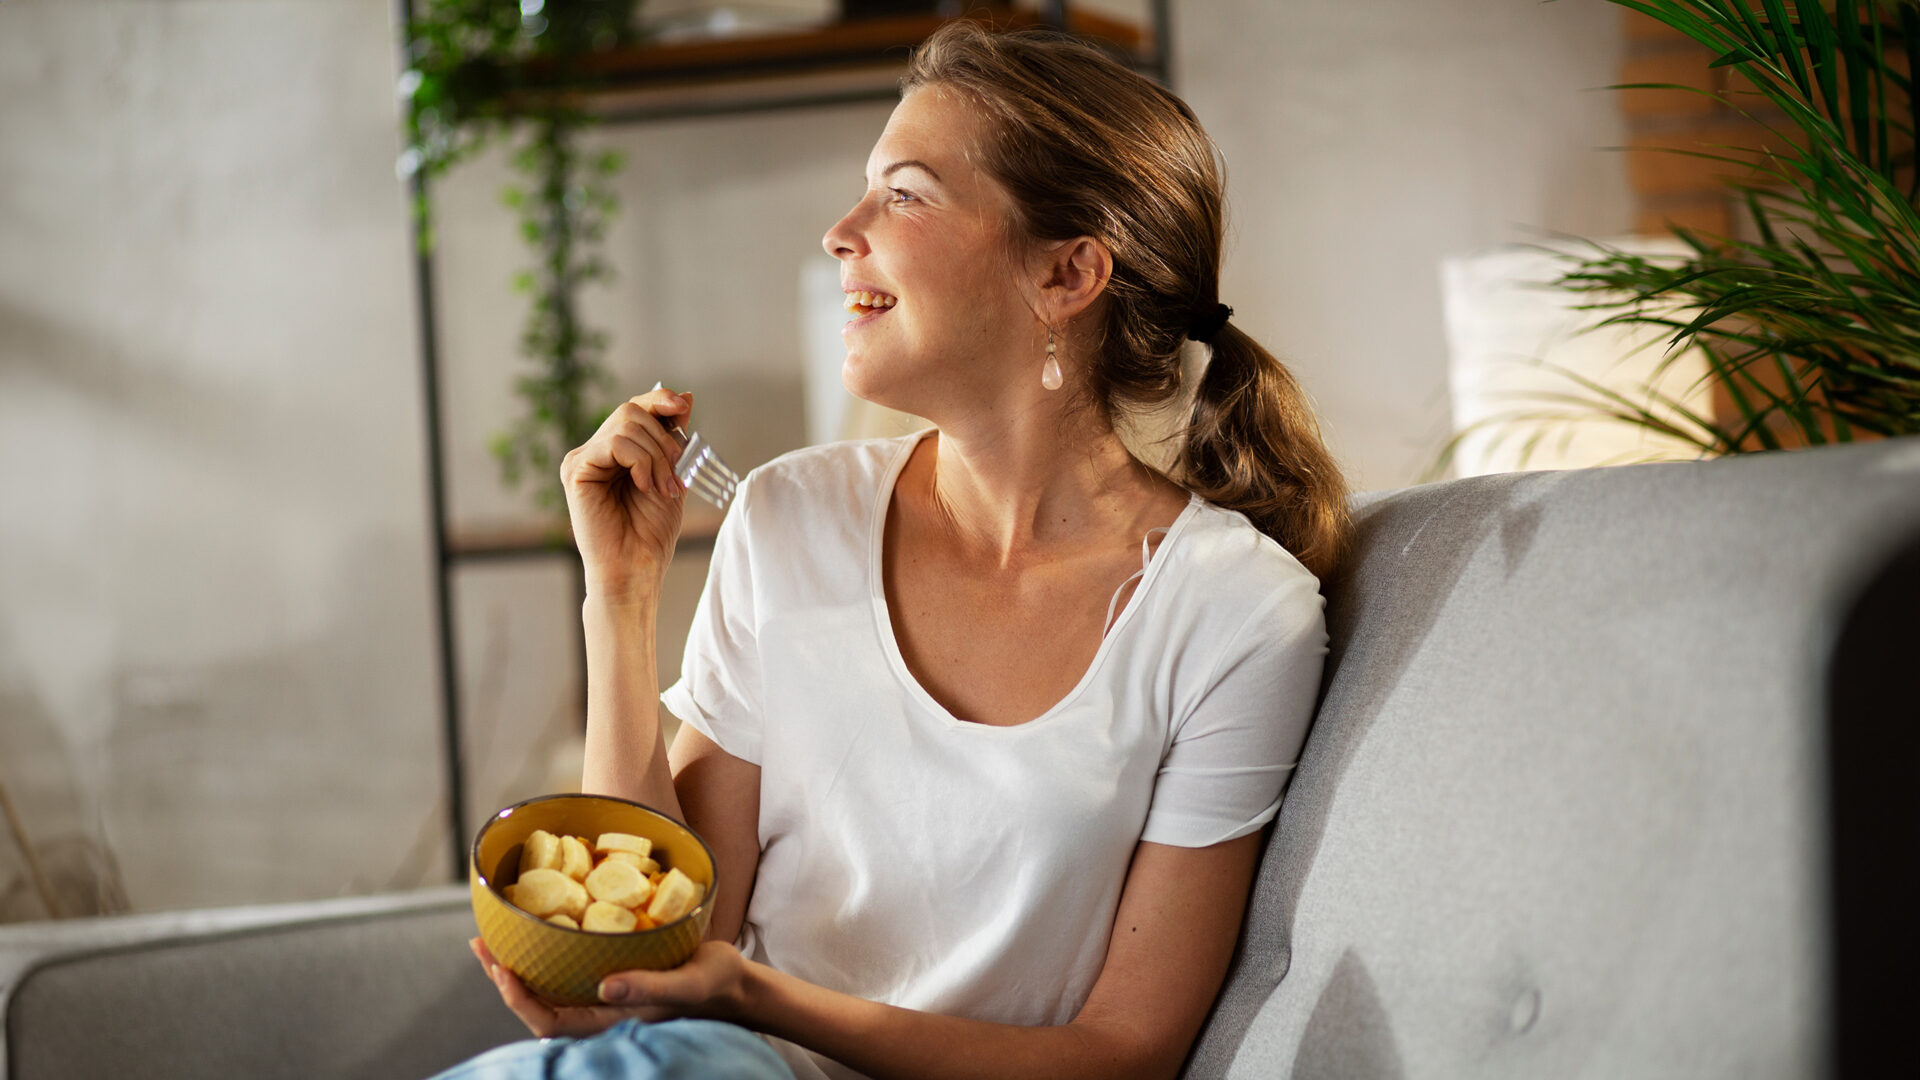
(1077, 272)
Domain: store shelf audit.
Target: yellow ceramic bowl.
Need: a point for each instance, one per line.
(565, 966)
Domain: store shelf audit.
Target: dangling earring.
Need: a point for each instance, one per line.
(1050, 371)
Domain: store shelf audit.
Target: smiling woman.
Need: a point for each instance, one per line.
(988, 719)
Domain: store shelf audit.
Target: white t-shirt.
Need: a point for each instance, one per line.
(912, 858)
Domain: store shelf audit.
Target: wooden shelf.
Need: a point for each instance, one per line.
(854, 60)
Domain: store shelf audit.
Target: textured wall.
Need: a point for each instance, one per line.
(1368, 139)
(214, 623)
(216, 651)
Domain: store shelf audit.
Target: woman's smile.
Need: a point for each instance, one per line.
(867, 305)
(931, 222)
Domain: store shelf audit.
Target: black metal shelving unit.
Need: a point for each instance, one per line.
(842, 63)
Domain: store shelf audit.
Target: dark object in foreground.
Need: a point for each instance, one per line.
(1873, 755)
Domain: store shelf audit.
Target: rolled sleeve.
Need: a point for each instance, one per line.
(1232, 754)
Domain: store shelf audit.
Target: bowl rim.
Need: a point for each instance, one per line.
(473, 862)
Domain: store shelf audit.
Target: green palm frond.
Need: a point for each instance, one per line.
(1810, 326)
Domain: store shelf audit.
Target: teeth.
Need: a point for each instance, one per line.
(871, 300)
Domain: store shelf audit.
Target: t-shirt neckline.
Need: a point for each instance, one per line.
(883, 616)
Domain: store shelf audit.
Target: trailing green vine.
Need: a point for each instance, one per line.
(483, 70)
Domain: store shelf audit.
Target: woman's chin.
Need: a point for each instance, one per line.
(917, 385)
(869, 385)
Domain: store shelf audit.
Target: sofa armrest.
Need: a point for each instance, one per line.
(367, 987)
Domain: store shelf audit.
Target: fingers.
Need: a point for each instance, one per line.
(702, 986)
(637, 451)
(644, 428)
(548, 1021)
(539, 1018)
(634, 439)
(637, 442)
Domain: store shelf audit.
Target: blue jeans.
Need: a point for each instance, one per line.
(631, 1050)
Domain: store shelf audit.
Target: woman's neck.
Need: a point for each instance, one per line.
(1027, 488)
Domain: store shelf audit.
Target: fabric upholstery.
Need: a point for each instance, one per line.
(1559, 815)
(390, 995)
(1560, 811)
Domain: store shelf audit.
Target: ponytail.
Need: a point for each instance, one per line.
(1086, 147)
(1254, 446)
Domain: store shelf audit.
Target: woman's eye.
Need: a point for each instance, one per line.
(901, 196)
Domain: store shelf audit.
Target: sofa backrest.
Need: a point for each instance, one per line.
(1561, 811)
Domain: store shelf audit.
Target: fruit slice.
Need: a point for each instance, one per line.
(619, 841)
(647, 867)
(574, 860)
(676, 895)
(542, 852)
(605, 918)
(541, 892)
(558, 919)
(617, 883)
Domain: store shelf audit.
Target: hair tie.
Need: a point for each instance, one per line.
(1207, 324)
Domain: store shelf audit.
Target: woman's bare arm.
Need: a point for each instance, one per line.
(721, 796)
(625, 507)
(626, 754)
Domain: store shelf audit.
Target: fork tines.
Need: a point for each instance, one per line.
(701, 471)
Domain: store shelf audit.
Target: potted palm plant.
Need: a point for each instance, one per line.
(1809, 318)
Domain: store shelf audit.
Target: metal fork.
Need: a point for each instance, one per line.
(701, 471)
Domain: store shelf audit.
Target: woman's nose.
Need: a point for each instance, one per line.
(845, 239)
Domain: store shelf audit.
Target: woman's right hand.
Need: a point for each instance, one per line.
(623, 499)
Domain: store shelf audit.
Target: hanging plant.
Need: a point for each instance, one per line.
(486, 70)
(1810, 326)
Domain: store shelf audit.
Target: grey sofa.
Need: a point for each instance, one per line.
(1561, 814)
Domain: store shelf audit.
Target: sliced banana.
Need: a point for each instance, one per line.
(647, 867)
(605, 918)
(575, 862)
(541, 892)
(617, 883)
(542, 852)
(676, 895)
(618, 841)
(560, 883)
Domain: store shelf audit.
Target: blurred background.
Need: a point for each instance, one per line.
(220, 627)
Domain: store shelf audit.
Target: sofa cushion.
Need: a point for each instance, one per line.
(387, 993)
(1560, 812)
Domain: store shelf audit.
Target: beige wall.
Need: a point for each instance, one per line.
(216, 652)
(1368, 139)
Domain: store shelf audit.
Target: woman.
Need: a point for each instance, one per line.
(991, 716)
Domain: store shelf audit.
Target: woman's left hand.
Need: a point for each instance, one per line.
(710, 985)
